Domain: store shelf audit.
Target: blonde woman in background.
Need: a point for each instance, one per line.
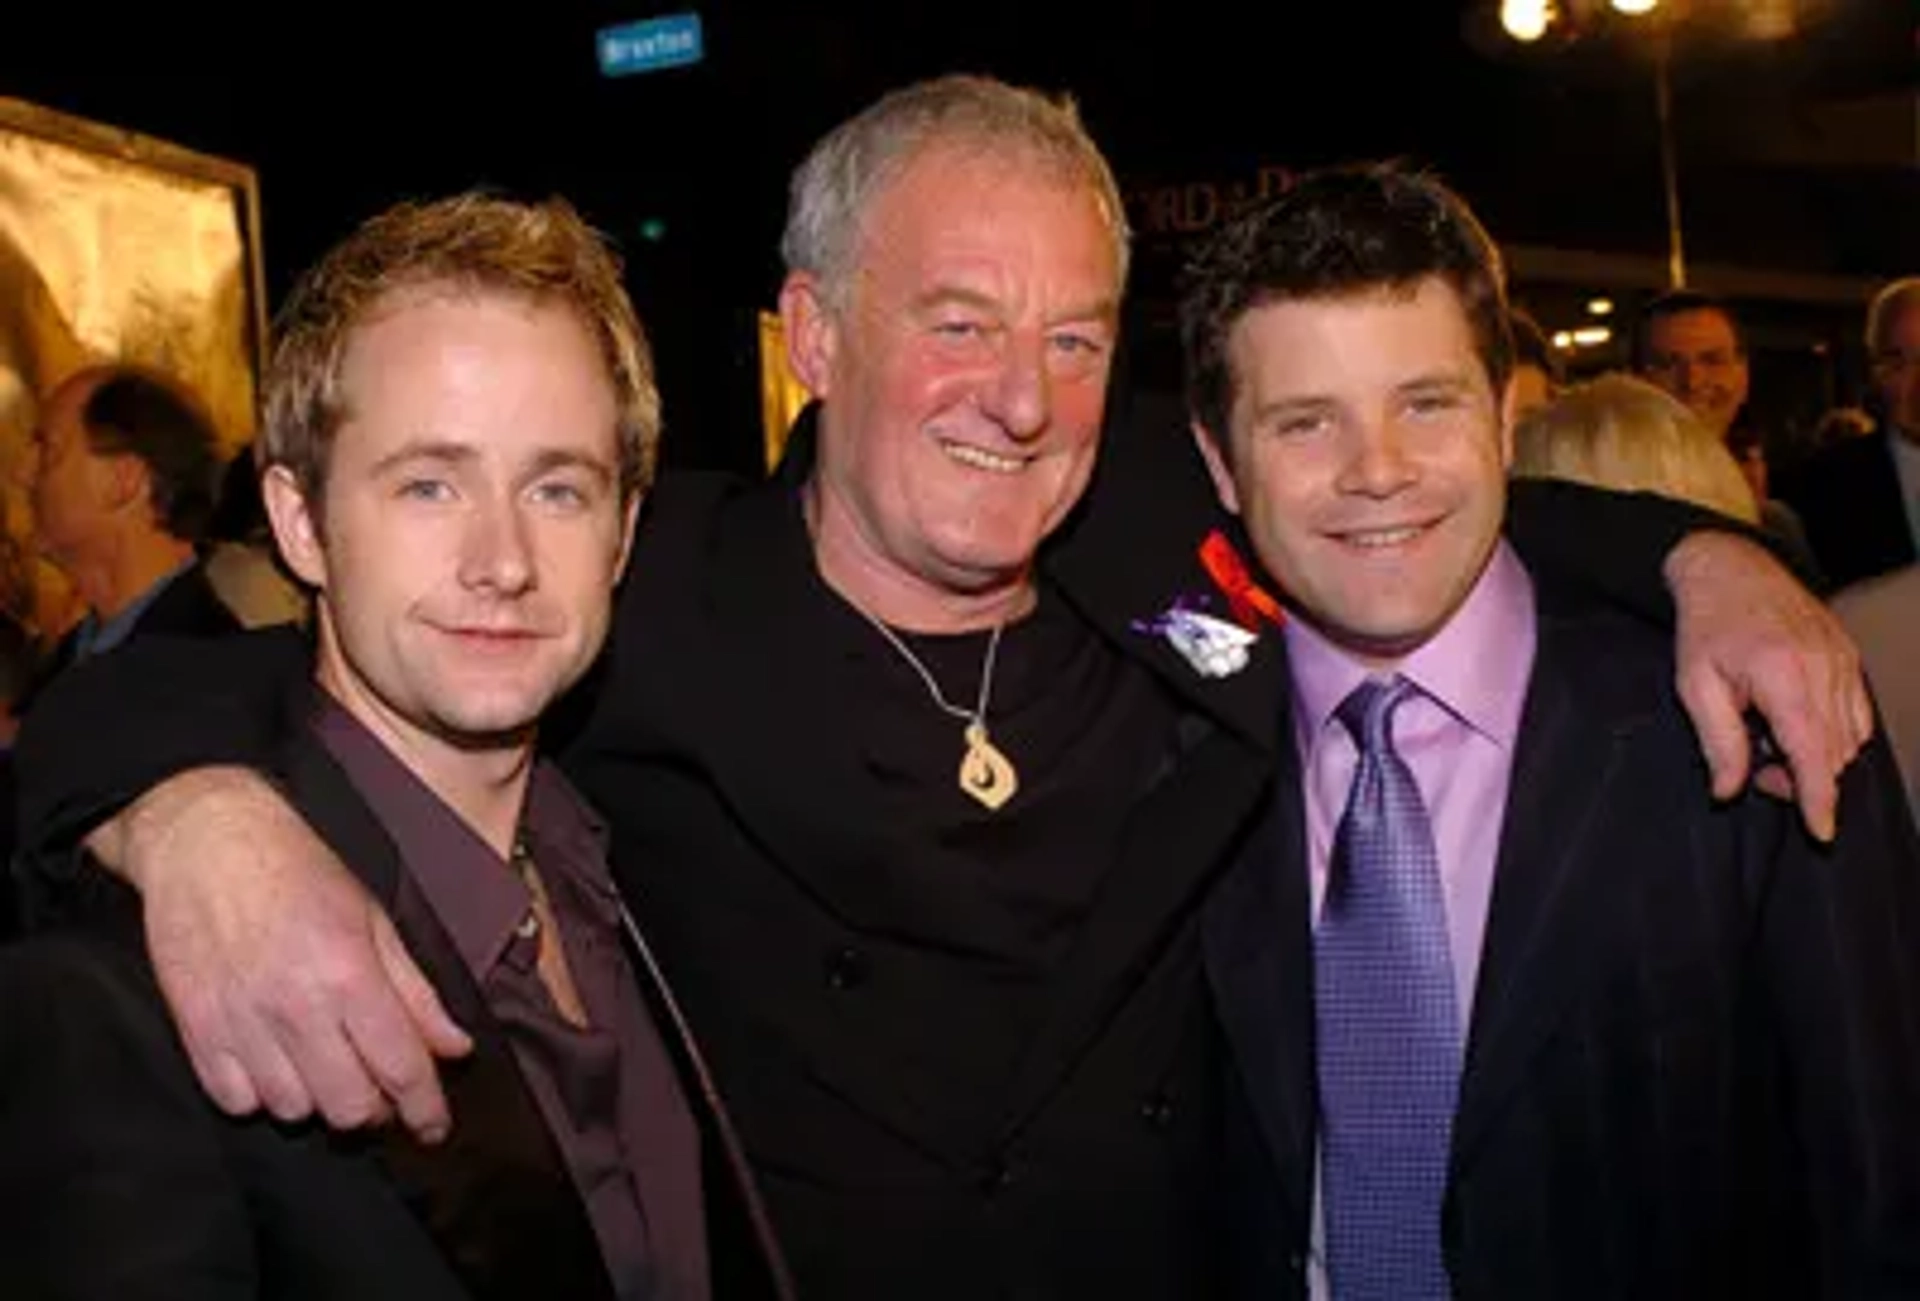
(1623, 433)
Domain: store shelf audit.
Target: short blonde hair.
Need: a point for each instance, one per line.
(468, 242)
(1623, 433)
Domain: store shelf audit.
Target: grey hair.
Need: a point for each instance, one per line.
(1892, 299)
(833, 187)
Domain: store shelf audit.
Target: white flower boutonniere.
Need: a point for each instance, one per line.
(1215, 647)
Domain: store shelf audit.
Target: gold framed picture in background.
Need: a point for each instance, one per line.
(116, 246)
(782, 395)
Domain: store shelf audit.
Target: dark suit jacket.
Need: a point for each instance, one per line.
(120, 1180)
(1848, 497)
(186, 607)
(1693, 1067)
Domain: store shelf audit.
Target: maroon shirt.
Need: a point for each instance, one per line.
(608, 1093)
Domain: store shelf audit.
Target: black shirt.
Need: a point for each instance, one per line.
(997, 896)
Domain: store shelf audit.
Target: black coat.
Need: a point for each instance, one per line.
(1848, 497)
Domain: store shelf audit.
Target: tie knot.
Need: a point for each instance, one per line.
(1367, 712)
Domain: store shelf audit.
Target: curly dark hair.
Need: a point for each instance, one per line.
(1335, 233)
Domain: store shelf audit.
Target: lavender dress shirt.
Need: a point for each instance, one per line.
(1457, 735)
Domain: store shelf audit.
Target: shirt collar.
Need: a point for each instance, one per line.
(96, 635)
(470, 889)
(559, 825)
(1476, 667)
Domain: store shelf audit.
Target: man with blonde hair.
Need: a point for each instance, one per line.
(921, 756)
(460, 423)
(1623, 433)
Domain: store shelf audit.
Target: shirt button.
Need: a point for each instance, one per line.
(1157, 1111)
(847, 968)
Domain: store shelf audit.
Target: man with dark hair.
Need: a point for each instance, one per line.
(136, 414)
(1512, 1014)
(1690, 344)
(124, 474)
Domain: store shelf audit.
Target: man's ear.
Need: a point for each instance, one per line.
(125, 480)
(1215, 456)
(1507, 409)
(296, 527)
(811, 331)
(629, 516)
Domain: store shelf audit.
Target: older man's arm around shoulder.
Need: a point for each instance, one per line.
(260, 937)
(1750, 635)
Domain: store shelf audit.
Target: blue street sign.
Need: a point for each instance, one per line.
(649, 45)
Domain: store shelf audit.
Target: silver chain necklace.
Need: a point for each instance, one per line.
(985, 771)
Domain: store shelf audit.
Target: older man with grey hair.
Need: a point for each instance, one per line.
(921, 784)
(1860, 497)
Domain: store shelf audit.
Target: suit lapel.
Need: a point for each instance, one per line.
(1179, 839)
(783, 754)
(187, 607)
(1883, 508)
(1567, 770)
(774, 737)
(496, 1196)
(1132, 553)
(1259, 961)
(692, 1067)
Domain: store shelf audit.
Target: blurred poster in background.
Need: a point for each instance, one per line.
(115, 246)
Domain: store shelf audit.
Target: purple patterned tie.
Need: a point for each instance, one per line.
(1389, 1037)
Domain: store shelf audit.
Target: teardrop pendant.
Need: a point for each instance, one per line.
(986, 773)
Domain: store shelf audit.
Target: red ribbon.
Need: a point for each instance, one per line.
(1250, 604)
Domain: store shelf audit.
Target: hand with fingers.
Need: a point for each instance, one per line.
(291, 989)
(1751, 637)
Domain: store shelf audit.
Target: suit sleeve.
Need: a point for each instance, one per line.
(113, 1181)
(1611, 544)
(111, 727)
(1841, 937)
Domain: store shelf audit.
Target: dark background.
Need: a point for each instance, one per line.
(345, 108)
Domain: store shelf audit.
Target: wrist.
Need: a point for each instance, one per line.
(1696, 556)
(134, 844)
